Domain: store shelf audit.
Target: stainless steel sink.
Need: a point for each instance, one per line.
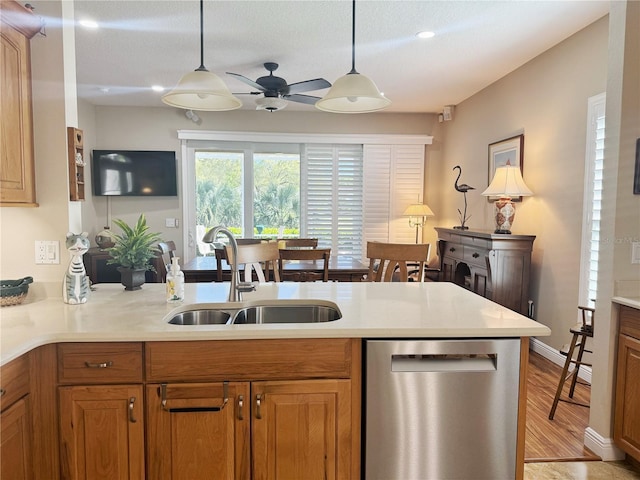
(287, 314)
(274, 311)
(201, 317)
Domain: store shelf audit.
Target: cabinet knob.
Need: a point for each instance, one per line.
(452, 249)
(99, 365)
(475, 255)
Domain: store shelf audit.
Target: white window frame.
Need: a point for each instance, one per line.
(191, 140)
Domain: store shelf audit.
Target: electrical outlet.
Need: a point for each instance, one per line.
(47, 252)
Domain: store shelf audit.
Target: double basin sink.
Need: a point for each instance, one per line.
(266, 312)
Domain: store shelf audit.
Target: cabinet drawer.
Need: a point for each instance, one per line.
(454, 250)
(476, 256)
(249, 359)
(630, 321)
(14, 381)
(99, 363)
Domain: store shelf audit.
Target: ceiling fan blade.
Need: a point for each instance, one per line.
(308, 85)
(248, 81)
(308, 99)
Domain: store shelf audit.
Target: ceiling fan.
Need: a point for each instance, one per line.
(277, 91)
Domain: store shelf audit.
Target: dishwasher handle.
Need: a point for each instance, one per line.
(464, 362)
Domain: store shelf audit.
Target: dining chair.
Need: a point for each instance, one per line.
(167, 252)
(261, 257)
(393, 262)
(221, 253)
(298, 242)
(204, 248)
(579, 335)
(305, 255)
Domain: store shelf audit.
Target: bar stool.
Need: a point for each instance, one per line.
(580, 333)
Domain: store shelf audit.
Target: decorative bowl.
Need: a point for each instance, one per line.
(13, 292)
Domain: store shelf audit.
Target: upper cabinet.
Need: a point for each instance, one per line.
(17, 175)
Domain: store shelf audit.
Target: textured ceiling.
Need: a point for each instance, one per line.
(143, 43)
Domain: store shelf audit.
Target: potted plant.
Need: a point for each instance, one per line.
(133, 250)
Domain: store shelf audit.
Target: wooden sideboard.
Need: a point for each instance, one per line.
(95, 263)
(496, 266)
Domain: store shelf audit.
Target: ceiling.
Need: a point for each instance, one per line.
(145, 43)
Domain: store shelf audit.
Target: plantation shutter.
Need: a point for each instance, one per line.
(592, 201)
(393, 179)
(332, 197)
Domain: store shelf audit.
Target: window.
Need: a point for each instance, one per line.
(592, 200)
(254, 193)
(346, 190)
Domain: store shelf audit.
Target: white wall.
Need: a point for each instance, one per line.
(546, 99)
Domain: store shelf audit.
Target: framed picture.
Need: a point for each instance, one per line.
(509, 150)
(636, 177)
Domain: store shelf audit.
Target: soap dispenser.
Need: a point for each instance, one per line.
(175, 282)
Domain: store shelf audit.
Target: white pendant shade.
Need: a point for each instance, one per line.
(507, 182)
(353, 93)
(202, 90)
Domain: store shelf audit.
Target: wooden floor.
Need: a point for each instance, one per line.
(560, 439)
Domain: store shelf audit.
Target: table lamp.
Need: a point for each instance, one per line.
(507, 183)
(417, 213)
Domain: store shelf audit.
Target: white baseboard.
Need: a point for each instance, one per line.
(601, 446)
(556, 357)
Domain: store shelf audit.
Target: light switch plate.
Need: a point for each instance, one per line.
(635, 252)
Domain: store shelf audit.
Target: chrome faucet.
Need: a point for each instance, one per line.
(237, 287)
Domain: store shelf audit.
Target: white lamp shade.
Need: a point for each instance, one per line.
(418, 210)
(353, 93)
(507, 182)
(202, 90)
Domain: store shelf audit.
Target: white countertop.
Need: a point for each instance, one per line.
(400, 310)
(633, 302)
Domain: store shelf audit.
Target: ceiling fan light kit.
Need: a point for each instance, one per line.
(271, 104)
(201, 89)
(354, 92)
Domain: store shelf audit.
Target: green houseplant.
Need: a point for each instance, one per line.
(133, 250)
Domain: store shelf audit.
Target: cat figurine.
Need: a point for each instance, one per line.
(75, 287)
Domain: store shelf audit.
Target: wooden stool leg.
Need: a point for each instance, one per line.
(563, 376)
(578, 362)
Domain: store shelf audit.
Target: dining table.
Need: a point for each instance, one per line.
(342, 268)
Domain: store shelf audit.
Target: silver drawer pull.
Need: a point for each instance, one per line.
(99, 365)
(258, 405)
(240, 405)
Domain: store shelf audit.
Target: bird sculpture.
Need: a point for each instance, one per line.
(464, 188)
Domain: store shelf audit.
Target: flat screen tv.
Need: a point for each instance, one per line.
(139, 173)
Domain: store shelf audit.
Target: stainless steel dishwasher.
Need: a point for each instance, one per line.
(441, 409)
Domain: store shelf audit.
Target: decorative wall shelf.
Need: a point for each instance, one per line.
(76, 163)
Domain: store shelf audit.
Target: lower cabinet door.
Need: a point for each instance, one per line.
(15, 444)
(102, 432)
(198, 431)
(301, 430)
(626, 431)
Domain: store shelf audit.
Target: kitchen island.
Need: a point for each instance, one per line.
(119, 352)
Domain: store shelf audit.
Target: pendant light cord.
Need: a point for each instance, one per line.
(353, 38)
(201, 68)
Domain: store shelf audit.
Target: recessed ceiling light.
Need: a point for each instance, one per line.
(425, 34)
(89, 24)
(157, 88)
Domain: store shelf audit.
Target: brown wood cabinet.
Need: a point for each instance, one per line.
(101, 426)
(17, 175)
(228, 410)
(292, 409)
(15, 420)
(496, 266)
(626, 432)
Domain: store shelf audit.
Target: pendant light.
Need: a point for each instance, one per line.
(201, 89)
(353, 92)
